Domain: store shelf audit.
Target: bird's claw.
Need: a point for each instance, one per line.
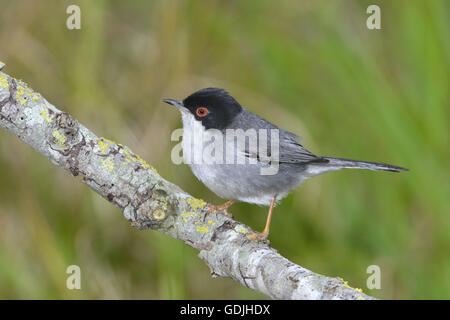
(221, 209)
(218, 209)
(258, 236)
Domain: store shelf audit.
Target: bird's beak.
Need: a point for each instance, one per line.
(176, 103)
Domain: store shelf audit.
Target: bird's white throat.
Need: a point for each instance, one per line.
(234, 146)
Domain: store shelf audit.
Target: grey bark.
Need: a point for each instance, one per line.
(149, 202)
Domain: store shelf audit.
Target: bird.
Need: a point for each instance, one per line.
(210, 112)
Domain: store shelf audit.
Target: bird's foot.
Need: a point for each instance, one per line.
(258, 236)
(218, 209)
(221, 208)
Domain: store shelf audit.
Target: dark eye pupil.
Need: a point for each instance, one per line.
(201, 111)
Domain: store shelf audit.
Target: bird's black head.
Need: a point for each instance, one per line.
(214, 107)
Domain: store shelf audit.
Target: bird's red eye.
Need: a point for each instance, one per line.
(201, 111)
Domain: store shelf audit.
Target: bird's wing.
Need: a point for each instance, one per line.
(290, 150)
(293, 152)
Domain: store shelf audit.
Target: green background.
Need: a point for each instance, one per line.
(311, 67)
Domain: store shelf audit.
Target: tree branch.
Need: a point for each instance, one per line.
(150, 202)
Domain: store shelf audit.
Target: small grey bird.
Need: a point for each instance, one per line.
(212, 110)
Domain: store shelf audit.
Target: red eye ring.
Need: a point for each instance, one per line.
(201, 111)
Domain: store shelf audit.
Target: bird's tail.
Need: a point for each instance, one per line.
(355, 164)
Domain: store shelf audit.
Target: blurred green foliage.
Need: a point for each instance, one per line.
(311, 67)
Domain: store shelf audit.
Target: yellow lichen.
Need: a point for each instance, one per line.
(4, 82)
(187, 214)
(45, 115)
(102, 145)
(107, 140)
(131, 157)
(128, 157)
(348, 286)
(107, 164)
(59, 138)
(196, 204)
(23, 93)
(202, 229)
(211, 222)
(144, 163)
(241, 229)
(19, 94)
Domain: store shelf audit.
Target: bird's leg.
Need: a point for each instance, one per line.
(263, 235)
(221, 208)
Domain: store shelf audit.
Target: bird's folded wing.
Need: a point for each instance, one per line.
(289, 151)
